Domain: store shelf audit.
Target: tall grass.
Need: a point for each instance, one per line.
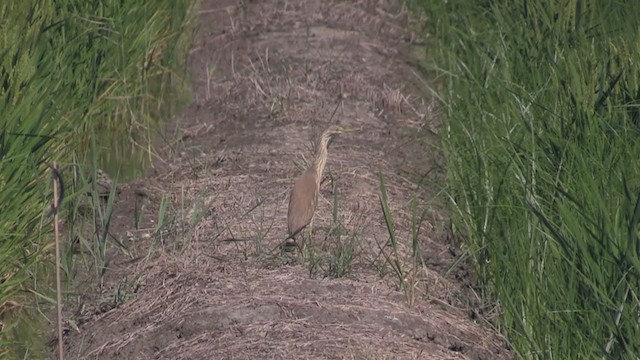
(542, 101)
(71, 71)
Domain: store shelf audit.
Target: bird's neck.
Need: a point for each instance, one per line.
(321, 157)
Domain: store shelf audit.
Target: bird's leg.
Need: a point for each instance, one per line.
(303, 244)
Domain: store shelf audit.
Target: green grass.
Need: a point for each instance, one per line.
(72, 74)
(407, 269)
(542, 107)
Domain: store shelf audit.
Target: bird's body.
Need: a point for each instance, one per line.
(302, 202)
(304, 195)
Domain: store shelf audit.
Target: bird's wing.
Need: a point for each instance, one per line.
(302, 202)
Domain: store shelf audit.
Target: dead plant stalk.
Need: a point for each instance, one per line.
(56, 205)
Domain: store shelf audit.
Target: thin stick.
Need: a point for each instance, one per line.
(336, 109)
(56, 204)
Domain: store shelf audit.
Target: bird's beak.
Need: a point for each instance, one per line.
(345, 130)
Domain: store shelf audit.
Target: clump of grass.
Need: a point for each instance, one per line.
(541, 140)
(89, 223)
(336, 254)
(408, 272)
(343, 253)
(342, 258)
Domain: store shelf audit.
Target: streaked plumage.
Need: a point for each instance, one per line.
(304, 195)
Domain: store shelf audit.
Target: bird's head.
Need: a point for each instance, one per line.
(336, 130)
(332, 132)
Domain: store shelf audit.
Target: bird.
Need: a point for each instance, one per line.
(304, 195)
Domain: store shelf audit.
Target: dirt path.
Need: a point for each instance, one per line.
(268, 76)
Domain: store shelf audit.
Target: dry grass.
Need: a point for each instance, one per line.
(214, 310)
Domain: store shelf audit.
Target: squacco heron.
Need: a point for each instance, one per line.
(304, 196)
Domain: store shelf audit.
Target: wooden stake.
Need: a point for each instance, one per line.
(56, 205)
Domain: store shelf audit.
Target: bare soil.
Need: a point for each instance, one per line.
(267, 76)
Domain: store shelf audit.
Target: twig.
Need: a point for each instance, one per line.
(337, 106)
